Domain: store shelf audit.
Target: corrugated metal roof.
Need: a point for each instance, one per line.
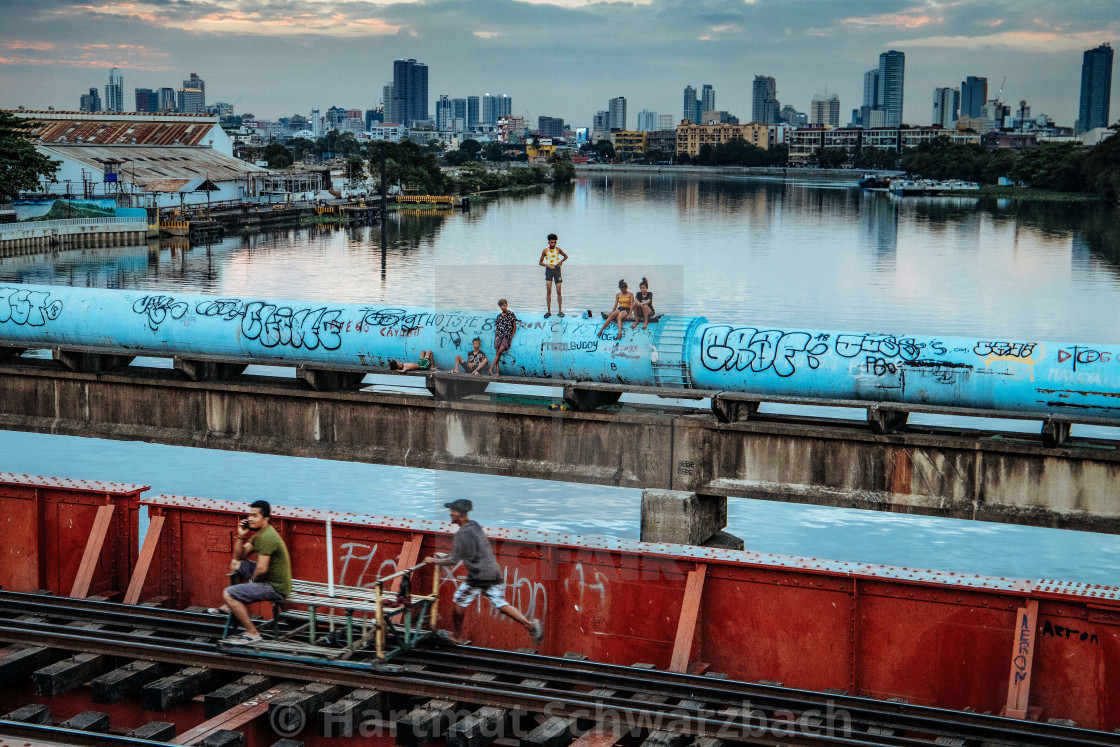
(180, 185)
(144, 165)
(115, 132)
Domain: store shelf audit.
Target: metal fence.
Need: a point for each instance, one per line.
(68, 222)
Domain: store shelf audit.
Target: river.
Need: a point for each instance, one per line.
(783, 252)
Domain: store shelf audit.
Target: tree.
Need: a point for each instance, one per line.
(21, 166)
(1102, 166)
(299, 147)
(277, 155)
(471, 146)
(493, 151)
(355, 168)
(457, 157)
(605, 149)
(562, 170)
(831, 158)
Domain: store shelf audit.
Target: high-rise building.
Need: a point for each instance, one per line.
(196, 83)
(825, 110)
(445, 112)
(550, 126)
(503, 106)
(601, 121)
(387, 101)
(472, 112)
(315, 123)
(892, 73)
(190, 101)
(1096, 88)
(459, 110)
(489, 113)
(647, 121)
(764, 100)
(336, 117)
(167, 99)
(114, 92)
(147, 100)
(91, 102)
(974, 93)
(691, 109)
(666, 122)
(707, 98)
(946, 107)
(410, 92)
(376, 115)
(617, 109)
(871, 88)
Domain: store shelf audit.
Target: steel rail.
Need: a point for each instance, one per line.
(44, 734)
(461, 688)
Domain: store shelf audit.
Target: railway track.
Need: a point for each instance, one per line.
(638, 705)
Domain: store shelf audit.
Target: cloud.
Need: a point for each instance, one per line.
(486, 34)
(1027, 41)
(38, 46)
(911, 18)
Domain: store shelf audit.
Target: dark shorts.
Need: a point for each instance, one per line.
(252, 591)
(552, 274)
(502, 343)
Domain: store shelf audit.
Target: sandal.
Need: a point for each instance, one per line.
(215, 611)
(243, 640)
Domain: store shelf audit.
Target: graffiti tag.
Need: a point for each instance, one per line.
(725, 348)
(158, 308)
(27, 307)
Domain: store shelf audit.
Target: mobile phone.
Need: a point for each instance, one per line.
(244, 523)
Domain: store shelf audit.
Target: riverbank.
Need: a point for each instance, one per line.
(1038, 195)
(769, 172)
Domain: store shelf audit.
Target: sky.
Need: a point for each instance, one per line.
(562, 58)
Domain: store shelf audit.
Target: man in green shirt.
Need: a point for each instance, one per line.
(268, 579)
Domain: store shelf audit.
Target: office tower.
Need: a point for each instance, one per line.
(459, 110)
(489, 115)
(764, 100)
(376, 115)
(707, 98)
(617, 109)
(410, 91)
(190, 101)
(550, 126)
(114, 92)
(387, 102)
(197, 84)
(472, 112)
(691, 110)
(336, 117)
(315, 123)
(825, 110)
(647, 121)
(167, 99)
(503, 106)
(147, 100)
(445, 112)
(601, 121)
(946, 107)
(1096, 86)
(91, 102)
(666, 122)
(892, 73)
(871, 88)
(974, 93)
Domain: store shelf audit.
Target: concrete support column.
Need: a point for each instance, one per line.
(685, 518)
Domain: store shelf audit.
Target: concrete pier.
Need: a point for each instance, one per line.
(958, 473)
(32, 237)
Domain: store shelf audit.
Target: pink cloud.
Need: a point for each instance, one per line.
(1035, 41)
(911, 18)
(37, 46)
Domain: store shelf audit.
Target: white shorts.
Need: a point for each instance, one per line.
(466, 594)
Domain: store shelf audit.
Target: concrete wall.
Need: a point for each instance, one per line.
(40, 236)
(928, 471)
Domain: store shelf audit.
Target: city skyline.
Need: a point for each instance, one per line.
(274, 61)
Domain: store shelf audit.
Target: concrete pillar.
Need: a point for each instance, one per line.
(682, 518)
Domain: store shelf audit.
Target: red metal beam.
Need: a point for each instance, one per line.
(690, 612)
(144, 562)
(1022, 661)
(93, 551)
(235, 717)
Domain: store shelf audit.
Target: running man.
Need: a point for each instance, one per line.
(484, 575)
(551, 259)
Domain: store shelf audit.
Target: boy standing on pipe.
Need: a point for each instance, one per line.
(484, 575)
(551, 259)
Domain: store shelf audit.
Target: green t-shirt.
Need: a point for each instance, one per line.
(279, 573)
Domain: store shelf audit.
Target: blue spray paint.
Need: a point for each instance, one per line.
(1002, 374)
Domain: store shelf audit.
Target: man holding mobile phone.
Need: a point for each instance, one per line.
(267, 579)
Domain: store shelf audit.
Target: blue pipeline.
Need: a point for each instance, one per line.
(1001, 374)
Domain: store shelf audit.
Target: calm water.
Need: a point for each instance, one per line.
(784, 252)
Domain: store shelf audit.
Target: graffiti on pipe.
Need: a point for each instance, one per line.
(28, 307)
(883, 346)
(725, 348)
(158, 308)
(1079, 356)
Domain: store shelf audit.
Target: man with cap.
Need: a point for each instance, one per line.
(484, 575)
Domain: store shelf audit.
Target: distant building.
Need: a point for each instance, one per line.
(550, 126)
(390, 131)
(630, 145)
(472, 112)
(691, 110)
(892, 75)
(691, 136)
(601, 122)
(718, 117)
(410, 92)
(336, 117)
(765, 108)
(315, 123)
(376, 115)
(459, 110)
(871, 88)
(489, 115)
(91, 102)
(147, 100)
(190, 101)
(792, 117)
(445, 112)
(503, 106)
(114, 92)
(825, 110)
(1096, 89)
(707, 98)
(946, 107)
(665, 122)
(196, 83)
(617, 113)
(974, 93)
(647, 121)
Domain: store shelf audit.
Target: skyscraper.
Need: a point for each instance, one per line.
(190, 101)
(91, 102)
(665, 122)
(459, 110)
(197, 84)
(1096, 87)
(114, 92)
(167, 99)
(764, 100)
(472, 112)
(974, 94)
(445, 111)
(601, 121)
(617, 113)
(503, 106)
(691, 109)
(647, 121)
(892, 73)
(489, 110)
(946, 107)
(387, 102)
(871, 88)
(550, 126)
(147, 100)
(825, 110)
(707, 98)
(410, 91)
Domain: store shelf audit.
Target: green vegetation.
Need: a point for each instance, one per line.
(738, 152)
(21, 166)
(1038, 195)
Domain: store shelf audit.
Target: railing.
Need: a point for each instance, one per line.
(437, 199)
(68, 222)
